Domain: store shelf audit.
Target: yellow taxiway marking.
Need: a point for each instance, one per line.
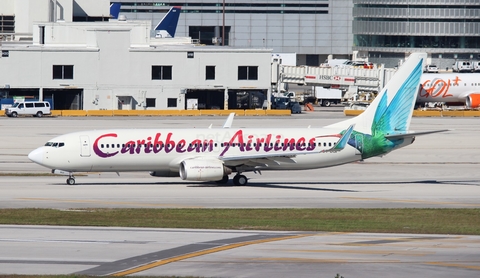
(106, 202)
(475, 267)
(201, 253)
(376, 252)
(411, 201)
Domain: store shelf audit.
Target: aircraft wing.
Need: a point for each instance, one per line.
(285, 157)
(263, 159)
(411, 134)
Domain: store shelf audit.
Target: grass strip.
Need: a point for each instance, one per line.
(421, 221)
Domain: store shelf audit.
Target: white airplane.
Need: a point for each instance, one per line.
(450, 88)
(211, 154)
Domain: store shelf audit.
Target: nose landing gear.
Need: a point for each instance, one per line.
(71, 179)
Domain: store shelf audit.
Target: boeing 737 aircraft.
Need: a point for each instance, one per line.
(212, 154)
(450, 88)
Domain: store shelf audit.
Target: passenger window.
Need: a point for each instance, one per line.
(61, 144)
(39, 104)
(29, 105)
(20, 106)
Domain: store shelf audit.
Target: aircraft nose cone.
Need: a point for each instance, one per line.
(36, 156)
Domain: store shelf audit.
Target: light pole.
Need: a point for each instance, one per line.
(223, 25)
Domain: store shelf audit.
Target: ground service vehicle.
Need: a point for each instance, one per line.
(327, 97)
(431, 69)
(33, 108)
(462, 66)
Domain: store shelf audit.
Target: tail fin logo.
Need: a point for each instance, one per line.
(390, 118)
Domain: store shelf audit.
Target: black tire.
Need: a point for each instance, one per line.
(326, 103)
(14, 114)
(39, 114)
(240, 180)
(70, 181)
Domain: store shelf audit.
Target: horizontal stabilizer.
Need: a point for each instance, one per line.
(411, 134)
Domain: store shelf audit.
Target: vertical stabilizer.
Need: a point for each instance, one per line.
(168, 25)
(115, 10)
(389, 113)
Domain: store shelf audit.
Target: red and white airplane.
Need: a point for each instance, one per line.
(212, 154)
(451, 88)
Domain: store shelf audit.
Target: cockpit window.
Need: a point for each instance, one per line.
(55, 144)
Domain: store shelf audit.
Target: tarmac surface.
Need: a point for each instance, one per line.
(437, 171)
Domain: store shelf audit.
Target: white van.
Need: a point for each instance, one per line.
(33, 108)
(462, 66)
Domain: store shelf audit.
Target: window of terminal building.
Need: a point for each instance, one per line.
(248, 73)
(150, 102)
(62, 71)
(171, 102)
(210, 73)
(161, 72)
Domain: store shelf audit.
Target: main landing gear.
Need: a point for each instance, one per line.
(240, 180)
(237, 180)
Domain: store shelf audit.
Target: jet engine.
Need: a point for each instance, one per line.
(201, 169)
(473, 101)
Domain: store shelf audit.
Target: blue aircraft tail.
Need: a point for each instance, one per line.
(115, 10)
(168, 25)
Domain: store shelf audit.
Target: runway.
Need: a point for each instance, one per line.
(437, 171)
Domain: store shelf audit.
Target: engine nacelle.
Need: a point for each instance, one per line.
(473, 101)
(201, 169)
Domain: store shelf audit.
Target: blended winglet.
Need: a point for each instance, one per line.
(340, 145)
(229, 121)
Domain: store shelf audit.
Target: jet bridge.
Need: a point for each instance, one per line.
(372, 80)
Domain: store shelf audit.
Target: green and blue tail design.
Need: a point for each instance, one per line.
(388, 117)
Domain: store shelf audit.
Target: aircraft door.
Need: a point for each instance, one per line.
(84, 146)
(359, 144)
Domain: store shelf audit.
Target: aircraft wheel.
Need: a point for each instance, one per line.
(70, 181)
(224, 180)
(240, 180)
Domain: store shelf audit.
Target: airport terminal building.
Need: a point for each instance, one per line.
(385, 31)
(117, 65)
(312, 30)
(379, 31)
